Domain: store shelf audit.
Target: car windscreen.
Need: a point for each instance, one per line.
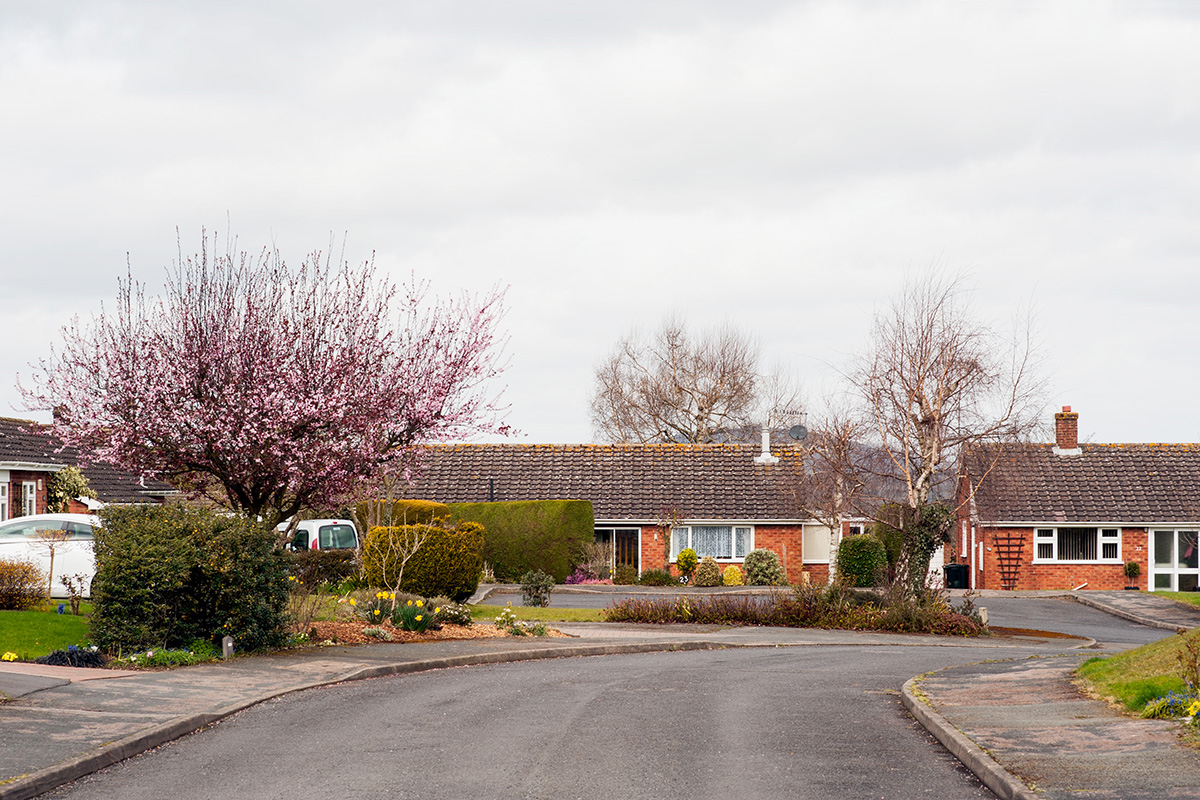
(337, 537)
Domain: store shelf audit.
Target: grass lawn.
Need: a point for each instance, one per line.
(1192, 598)
(31, 634)
(535, 614)
(1137, 676)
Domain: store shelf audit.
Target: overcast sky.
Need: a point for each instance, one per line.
(778, 165)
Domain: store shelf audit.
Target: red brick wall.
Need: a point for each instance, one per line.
(1032, 576)
(787, 541)
(16, 479)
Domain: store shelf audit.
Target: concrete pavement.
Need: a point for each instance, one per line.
(64, 723)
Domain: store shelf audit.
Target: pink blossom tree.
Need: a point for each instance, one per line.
(273, 388)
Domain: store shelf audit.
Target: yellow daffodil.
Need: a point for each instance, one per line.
(437, 610)
(9, 656)
(378, 612)
(420, 603)
(353, 602)
(419, 617)
(410, 602)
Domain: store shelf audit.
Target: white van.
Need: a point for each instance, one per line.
(324, 534)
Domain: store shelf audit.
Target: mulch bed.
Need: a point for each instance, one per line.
(352, 633)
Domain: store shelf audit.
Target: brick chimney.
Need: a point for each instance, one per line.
(1066, 430)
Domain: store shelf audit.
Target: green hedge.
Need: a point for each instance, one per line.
(371, 513)
(546, 535)
(861, 560)
(169, 575)
(447, 563)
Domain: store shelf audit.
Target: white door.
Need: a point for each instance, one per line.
(1175, 565)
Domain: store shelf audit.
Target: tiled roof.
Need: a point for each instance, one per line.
(1152, 483)
(623, 482)
(24, 441)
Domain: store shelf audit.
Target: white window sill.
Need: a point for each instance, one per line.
(1110, 563)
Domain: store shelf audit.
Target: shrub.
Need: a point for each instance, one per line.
(452, 613)
(22, 585)
(732, 576)
(314, 568)
(380, 513)
(169, 575)
(535, 588)
(861, 560)
(448, 562)
(656, 577)
(520, 537)
(686, 561)
(763, 568)
(625, 575)
(595, 564)
(708, 573)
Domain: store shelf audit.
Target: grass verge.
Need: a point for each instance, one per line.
(32, 634)
(1191, 598)
(539, 614)
(1135, 677)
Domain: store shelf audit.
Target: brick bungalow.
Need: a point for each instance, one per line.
(28, 457)
(1068, 515)
(722, 500)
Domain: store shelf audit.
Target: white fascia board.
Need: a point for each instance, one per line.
(625, 523)
(1048, 524)
(27, 466)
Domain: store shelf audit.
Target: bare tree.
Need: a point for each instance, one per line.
(936, 380)
(679, 387)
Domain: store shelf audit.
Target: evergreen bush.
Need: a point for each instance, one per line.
(546, 535)
(625, 575)
(686, 561)
(708, 573)
(861, 560)
(763, 568)
(656, 577)
(448, 562)
(732, 576)
(169, 575)
(22, 585)
(535, 588)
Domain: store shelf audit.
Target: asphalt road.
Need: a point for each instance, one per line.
(1041, 613)
(799, 722)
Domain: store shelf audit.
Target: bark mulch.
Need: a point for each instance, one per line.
(352, 633)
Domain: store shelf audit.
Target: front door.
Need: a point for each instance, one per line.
(1175, 566)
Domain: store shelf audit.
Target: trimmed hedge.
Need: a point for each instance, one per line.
(401, 512)
(448, 563)
(524, 536)
(169, 575)
(861, 560)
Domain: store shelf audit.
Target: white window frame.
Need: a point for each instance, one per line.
(1050, 537)
(3, 500)
(29, 498)
(685, 541)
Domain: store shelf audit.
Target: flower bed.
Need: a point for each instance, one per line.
(352, 633)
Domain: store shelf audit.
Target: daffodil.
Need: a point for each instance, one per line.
(420, 603)
(378, 612)
(419, 617)
(353, 602)
(9, 656)
(410, 602)
(437, 610)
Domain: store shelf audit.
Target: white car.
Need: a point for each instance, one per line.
(323, 534)
(71, 536)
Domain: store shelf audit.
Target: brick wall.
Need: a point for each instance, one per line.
(786, 541)
(1032, 576)
(16, 481)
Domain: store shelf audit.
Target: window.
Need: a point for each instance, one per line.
(719, 541)
(336, 537)
(1077, 544)
(3, 501)
(30, 498)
